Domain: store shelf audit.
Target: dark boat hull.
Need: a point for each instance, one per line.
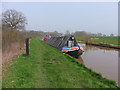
(75, 53)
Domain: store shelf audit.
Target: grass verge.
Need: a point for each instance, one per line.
(113, 41)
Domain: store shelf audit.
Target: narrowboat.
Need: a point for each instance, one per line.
(67, 44)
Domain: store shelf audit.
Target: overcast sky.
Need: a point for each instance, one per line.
(92, 17)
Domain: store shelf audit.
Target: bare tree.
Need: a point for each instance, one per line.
(14, 19)
(104, 35)
(99, 34)
(80, 33)
(111, 34)
(67, 32)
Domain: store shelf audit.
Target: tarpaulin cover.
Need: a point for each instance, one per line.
(59, 42)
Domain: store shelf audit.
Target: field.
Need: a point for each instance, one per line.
(47, 67)
(114, 41)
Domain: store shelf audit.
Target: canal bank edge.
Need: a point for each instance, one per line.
(101, 41)
(103, 45)
(92, 73)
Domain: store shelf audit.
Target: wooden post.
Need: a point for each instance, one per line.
(27, 46)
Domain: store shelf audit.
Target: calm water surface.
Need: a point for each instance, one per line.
(102, 60)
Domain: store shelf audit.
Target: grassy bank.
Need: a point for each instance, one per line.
(114, 41)
(47, 67)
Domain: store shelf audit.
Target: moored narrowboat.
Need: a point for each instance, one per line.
(66, 44)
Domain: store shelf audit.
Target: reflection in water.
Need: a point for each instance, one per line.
(80, 59)
(102, 60)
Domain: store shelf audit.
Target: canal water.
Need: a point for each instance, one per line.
(101, 60)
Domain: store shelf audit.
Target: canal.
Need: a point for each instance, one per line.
(101, 60)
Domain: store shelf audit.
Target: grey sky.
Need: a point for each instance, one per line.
(74, 16)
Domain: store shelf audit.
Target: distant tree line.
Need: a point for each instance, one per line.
(84, 33)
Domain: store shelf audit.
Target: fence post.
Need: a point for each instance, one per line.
(27, 46)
